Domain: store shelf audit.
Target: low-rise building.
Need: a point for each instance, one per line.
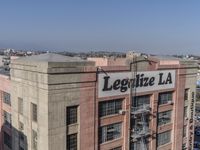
(61, 102)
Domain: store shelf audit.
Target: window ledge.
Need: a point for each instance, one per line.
(71, 125)
(111, 141)
(110, 116)
(160, 147)
(164, 125)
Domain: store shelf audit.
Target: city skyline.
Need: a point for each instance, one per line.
(156, 27)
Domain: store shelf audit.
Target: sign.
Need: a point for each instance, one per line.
(114, 84)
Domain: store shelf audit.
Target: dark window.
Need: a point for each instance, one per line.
(110, 132)
(7, 118)
(185, 113)
(138, 145)
(184, 131)
(164, 117)
(72, 115)
(164, 98)
(186, 94)
(21, 137)
(72, 142)
(164, 138)
(6, 98)
(34, 112)
(34, 140)
(117, 148)
(141, 100)
(20, 105)
(184, 146)
(7, 140)
(110, 107)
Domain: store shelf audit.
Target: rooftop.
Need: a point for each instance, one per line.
(51, 57)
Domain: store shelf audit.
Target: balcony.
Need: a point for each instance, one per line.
(141, 133)
(141, 109)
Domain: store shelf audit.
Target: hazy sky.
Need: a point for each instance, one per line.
(152, 26)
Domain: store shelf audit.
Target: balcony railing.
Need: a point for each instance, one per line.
(136, 134)
(141, 109)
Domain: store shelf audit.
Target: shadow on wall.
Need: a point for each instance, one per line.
(12, 138)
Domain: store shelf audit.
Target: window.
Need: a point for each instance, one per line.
(186, 94)
(164, 117)
(185, 112)
(7, 118)
(139, 146)
(21, 137)
(184, 146)
(21, 148)
(21, 126)
(110, 132)
(20, 105)
(141, 100)
(34, 112)
(6, 98)
(164, 138)
(117, 148)
(110, 107)
(21, 140)
(7, 140)
(184, 131)
(72, 142)
(71, 115)
(34, 140)
(165, 97)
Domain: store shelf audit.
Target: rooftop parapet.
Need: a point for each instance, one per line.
(51, 63)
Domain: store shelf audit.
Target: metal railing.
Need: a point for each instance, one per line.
(141, 109)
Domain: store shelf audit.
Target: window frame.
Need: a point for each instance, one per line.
(110, 107)
(163, 121)
(72, 115)
(34, 112)
(34, 140)
(185, 112)
(110, 132)
(7, 142)
(20, 105)
(186, 94)
(6, 98)
(72, 141)
(7, 118)
(168, 97)
(163, 140)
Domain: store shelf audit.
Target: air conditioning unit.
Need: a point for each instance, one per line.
(170, 102)
(122, 112)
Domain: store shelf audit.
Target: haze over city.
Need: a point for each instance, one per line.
(158, 27)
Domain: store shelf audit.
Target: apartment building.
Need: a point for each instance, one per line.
(65, 103)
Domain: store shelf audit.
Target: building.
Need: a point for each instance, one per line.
(60, 102)
(5, 109)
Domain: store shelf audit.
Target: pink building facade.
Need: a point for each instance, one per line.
(5, 106)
